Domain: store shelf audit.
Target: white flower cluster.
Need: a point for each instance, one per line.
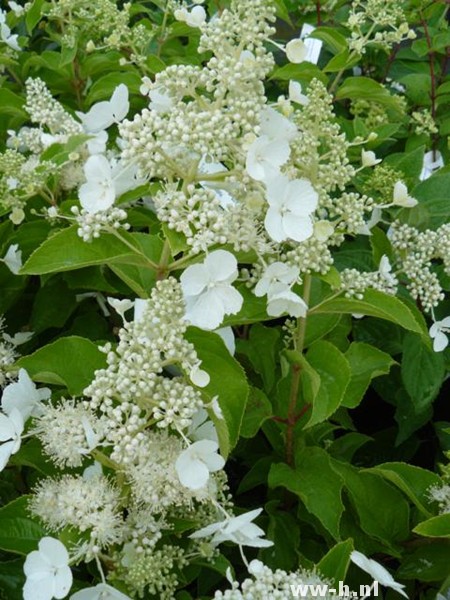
(379, 23)
(277, 584)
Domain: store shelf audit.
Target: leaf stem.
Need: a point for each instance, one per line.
(299, 342)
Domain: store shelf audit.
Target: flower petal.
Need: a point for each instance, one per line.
(221, 266)
(298, 228)
(54, 551)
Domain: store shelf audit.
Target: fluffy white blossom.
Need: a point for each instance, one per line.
(24, 396)
(377, 571)
(194, 464)
(11, 428)
(438, 332)
(105, 182)
(48, 572)
(240, 530)
(208, 292)
(102, 591)
(290, 206)
(103, 114)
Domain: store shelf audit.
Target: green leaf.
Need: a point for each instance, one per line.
(335, 563)
(282, 11)
(228, 382)
(316, 483)
(261, 349)
(423, 371)
(103, 88)
(409, 163)
(53, 304)
(366, 362)
(343, 60)
(334, 372)
(433, 209)
(366, 89)
(413, 481)
(11, 103)
(257, 410)
(65, 251)
(252, 311)
(375, 304)
(70, 362)
(435, 527)
(12, 579)
(332, 38)
(283, 529)
(33, 14)
(317, 326)
(427, 563)
(382, 510)
(19, 533)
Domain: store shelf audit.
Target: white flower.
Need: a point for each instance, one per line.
(194, 464)
(103, 114)
(105, 182)
(48, 572)
(276, 126)
(102, 591)
(275, 273)
(97, 143)
(377, 571)
(13, 259)
(24, 396)
(401, 196)
(195, 18)
(295, 93)
(369, 159)
(283, 300)
(432, 161)
(290, 206)
(271, 150)
(296, 51)
(323, 230)
(385, 269)
(160, 101)
(227, 335)
(16, 8)
(121, 306)
(19, 338)
(199, 377)
(265, 156)
(11, 428)
(239, 530)
(208, 292)
(5, 33)
(438, 333)
(201, 428)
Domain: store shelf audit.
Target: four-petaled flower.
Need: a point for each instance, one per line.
(48, 572)
(194, 464)
(438, 333)
(103, 114)
(207, 290)
(239, 530)
(290, 206)
(24, 396)
(105, 182)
